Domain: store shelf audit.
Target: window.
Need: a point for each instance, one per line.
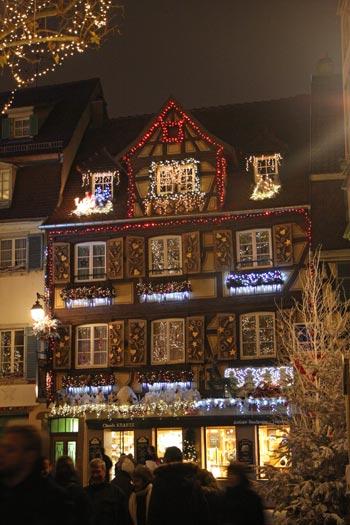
(266, 168)
(307, 337)
(20, 123)
(254, 248)
(90, 261)
(270, 440)
(13, 254)
(175, 178)
(102, 187)
(221, 449)
(257, 335)
(168, 341)
(5, 186)
(20, 127)
(91, 347)
(65, 424)
(165, 255)
(12, 353)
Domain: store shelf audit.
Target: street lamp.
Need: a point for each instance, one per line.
(37, 311)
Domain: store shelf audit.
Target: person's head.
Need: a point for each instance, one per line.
(172, 454)
(206, 478)
(46, 466)
(141, 477)
(127, 466)
(65, 469)
(237, 474)
(20, 451)
(97, 471)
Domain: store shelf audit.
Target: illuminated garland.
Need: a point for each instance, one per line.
(46, 328)
(163, 288)
(88, 380)
(165, 376)
(93, 204)
(160, 122)
(87, 292)
(244, 280)
(266, 174)
(177, 202)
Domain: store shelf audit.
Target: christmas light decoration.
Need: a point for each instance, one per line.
(279, 374)
(90, 295)
(83, 380)
(265, 281)
(161, 122)
(46, 328)
(266, 175)
(93, 204)
(171, 291)
(165, 376)
(36, 37)
(174, 188)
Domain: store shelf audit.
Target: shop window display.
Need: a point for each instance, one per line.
(117, 443)
(221, 449)
(170, 437)
(270, 438)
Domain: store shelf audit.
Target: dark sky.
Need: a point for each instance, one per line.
(209, 52)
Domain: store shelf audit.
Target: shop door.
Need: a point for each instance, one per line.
(64, 446)
(117, 443)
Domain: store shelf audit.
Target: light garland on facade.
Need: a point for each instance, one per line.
(92, 204)
(88, 380)
(269, 280)
(277, 374)
(173, 291)
(162, 122)
(46, 328)
(87, 293)
(266, 174)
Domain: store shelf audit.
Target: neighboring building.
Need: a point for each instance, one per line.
(41, 129)
(176, 236)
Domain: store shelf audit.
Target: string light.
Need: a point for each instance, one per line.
(266, 175)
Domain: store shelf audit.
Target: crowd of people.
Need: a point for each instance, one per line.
(151, 493)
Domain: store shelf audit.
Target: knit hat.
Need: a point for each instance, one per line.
(128, 466)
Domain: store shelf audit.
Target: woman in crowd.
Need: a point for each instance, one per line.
(140, 498)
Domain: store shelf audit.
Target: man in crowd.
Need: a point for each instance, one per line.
(176, 495)
(27, 497)
(108, 505)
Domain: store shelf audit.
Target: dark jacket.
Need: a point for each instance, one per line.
(34, 501)
(78, 502)
(107, 504)
(123, 481)
(177, 496)
(241, 506)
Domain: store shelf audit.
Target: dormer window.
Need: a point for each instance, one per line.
(102, 187)
(20, 123)
(266, 177)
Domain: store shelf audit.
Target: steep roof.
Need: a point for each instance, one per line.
(277, 126)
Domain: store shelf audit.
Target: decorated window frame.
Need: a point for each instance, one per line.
(99, 192)
(91, 346)
(266, 175)
(258, 335)
(175, 177)
(168, 341)
(165, 255)
(89, 264)
(252, 254)
(13, 254)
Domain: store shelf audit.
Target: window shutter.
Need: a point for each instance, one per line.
(137, 342)
(223, 250)
(191, 252)
(116, 343)
(283, 245)
(62, 348)
(35, 252)
(195, 339)
(33, 125)
(61, 262)
(135, 256)
(31, 360)
(227, 346)
(5, 128)
(115, 258)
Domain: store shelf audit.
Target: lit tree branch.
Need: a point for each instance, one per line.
(37, 35)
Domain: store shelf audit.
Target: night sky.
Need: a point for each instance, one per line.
(206, 52)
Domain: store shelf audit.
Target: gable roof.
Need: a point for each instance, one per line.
(283, 125)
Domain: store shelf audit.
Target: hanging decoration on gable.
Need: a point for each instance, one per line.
(172, 131)
(174, 188)
(98, 193)
(267, 183)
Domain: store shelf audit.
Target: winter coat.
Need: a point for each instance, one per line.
(123, 481)
(177, 497)
(107, 504)
(34, 501)
(139, 503)
(78, 513)
(241, 506)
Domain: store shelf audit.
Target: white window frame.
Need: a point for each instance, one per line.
(92, 350)
(180, 180)
(266, 166)
(166, 270)
(167, 348)
(257, 316)
(20, 127)
(12, 266)
(13, 351)
(90, 276)
(254, 262)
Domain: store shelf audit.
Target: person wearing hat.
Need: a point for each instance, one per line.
(140, 498)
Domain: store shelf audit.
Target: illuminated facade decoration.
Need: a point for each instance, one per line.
(266, 176)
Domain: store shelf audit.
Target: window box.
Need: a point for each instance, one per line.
(171, 291)
(88, 296)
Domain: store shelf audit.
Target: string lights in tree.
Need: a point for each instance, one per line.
(37, 36)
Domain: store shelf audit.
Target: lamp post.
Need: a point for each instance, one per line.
(37, 311)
